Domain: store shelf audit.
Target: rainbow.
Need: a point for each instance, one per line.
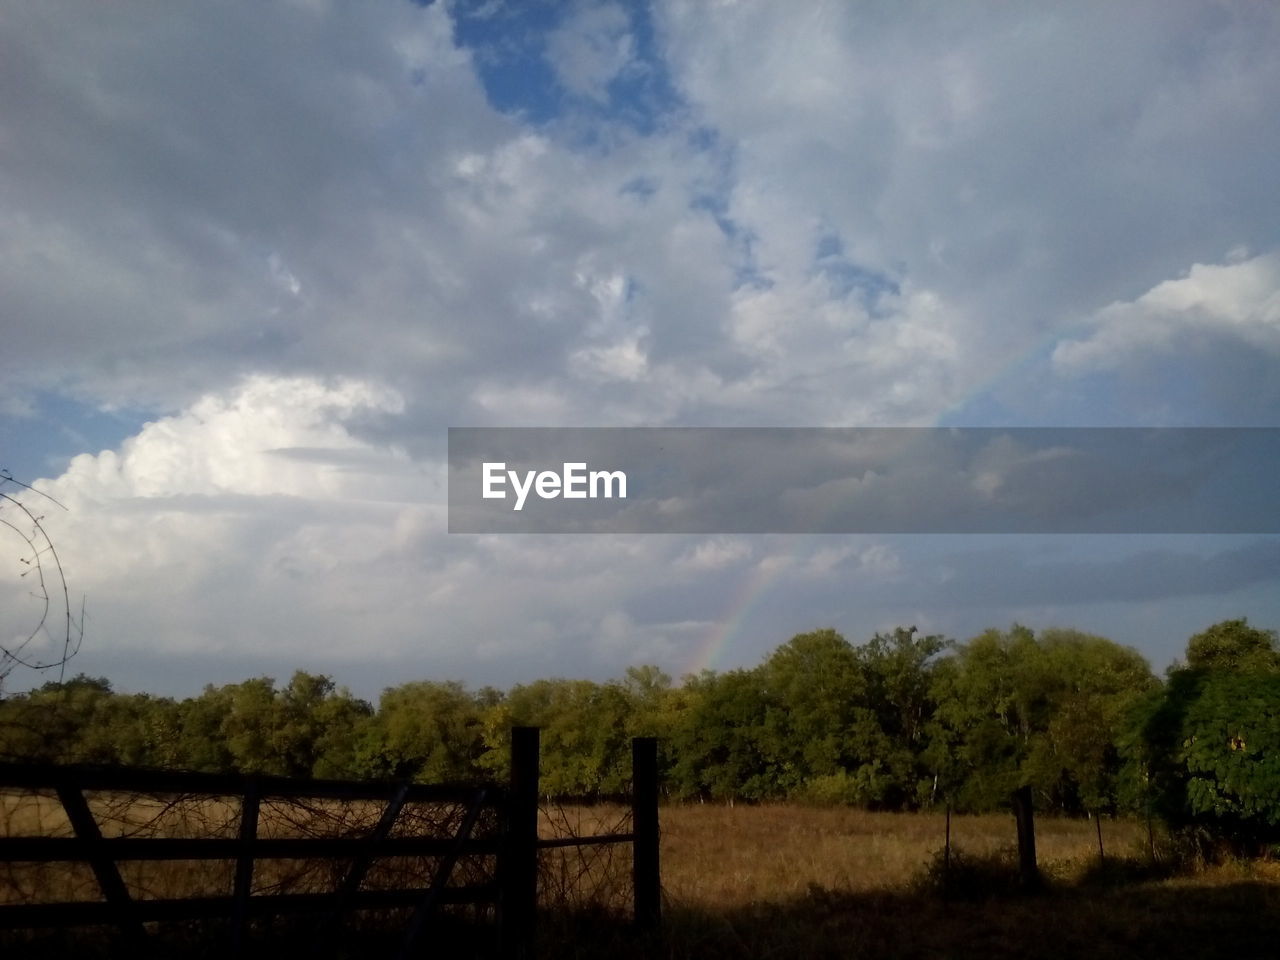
(757, 582)
(755, 586)
(744, 601)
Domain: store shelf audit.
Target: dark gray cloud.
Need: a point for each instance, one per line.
(995, 579)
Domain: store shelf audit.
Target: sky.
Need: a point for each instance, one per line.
(257, 258)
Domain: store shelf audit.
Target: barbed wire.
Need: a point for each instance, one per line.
(42, 570)
(588, 877)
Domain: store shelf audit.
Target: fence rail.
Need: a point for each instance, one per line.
(497, 823)
(142, 780)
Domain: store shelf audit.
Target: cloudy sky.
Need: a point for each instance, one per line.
(256, 258)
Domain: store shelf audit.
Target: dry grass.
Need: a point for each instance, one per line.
(795, 882)
(40, 814)
(749, 881)
(719, 857)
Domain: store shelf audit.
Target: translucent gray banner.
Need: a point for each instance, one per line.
(864, 480)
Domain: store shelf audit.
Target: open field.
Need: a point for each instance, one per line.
(733, 856)
(789, 881)
(785, 881)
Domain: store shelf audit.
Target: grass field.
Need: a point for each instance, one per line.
(791, 881)
(783, 881)
(732, 856)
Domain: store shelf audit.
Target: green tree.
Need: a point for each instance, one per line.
(814, 692)
(1015, 710)
(1209, 745)
(727, 749)
(1091, 685)
(898, 669)
(432, 732)
(586, 734)
(1233, 645)
(307, 728)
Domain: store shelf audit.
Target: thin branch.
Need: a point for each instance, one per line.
(41, 555)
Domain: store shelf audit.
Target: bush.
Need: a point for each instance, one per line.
(836, 789)
(970, 876)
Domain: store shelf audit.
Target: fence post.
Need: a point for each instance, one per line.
(519, 866)
(946, 847)
(1028, 872)
(244, 865)
(105, 870)
(644, 825)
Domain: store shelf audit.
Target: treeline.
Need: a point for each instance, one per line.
(900, 722)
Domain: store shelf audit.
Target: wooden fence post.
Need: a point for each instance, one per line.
(946, 847)
(644, 825)
(519, 865)
(1028, 872)
(243, 887)
(104, 868)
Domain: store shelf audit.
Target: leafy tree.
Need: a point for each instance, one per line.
(321, 727)
(814, 691)
(649, 691)
(202, 744)
(304, 729)
(1209, 746)
(984, 719)
(1015, 709)
(47, 724)
(432, 732)
(1090, 684)
(1232, 754)
(1233, 645)
(898, 670)
(727, 749)
(83, 720)
(586, 734)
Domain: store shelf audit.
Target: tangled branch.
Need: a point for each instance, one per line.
(41, 570)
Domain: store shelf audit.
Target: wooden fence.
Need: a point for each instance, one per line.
(493, 823)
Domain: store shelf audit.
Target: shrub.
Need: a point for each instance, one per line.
(969, 876)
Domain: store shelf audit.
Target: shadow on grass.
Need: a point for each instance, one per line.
(1165, 921)
(1096, 919)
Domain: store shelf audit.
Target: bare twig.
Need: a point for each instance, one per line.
(42, 569)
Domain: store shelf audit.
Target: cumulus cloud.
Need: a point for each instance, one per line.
(346, 202)
(257, 523)
(273, 457)
(1017, 172)
(302, 239)
(1236, 301)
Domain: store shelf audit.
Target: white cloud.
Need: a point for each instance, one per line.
(302, 237)
(273, 455)
(716, 553)
(1236, 300)
(1018, 170)
(879, 560)
(591, 48)
(412, 233)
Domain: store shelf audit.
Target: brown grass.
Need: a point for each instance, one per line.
(771, 881)
(40, 814)
(719, 857)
